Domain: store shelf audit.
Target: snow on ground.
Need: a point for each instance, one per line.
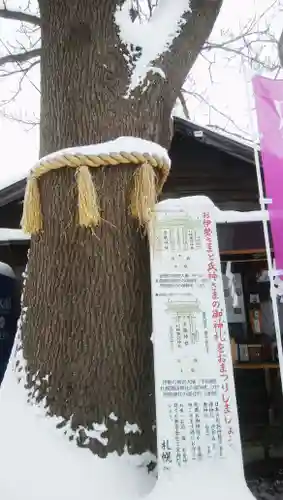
(39, 462)
(207, 480)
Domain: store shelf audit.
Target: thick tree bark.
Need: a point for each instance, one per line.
(85, 75)
(84, 81)
(88, 323)
(87, 332)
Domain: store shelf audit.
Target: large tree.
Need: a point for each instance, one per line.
(86, 322)
(86, 318)
(103, 75)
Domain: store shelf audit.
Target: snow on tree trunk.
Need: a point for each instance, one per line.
(103, 76)
(85, 82)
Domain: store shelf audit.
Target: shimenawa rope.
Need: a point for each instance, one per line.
(146, 186)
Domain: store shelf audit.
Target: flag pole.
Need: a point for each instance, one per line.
(263, 202)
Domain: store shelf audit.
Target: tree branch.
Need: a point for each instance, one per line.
(249, 56)
(21, 57)
(5, 73)
(16, 15)
(168, 44)
(202, 99)
(30, 122)
(178, 60)
(184, 105)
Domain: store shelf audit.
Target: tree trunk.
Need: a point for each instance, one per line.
(88, 321)
(86, 336)
(88, 325)
(85, 78)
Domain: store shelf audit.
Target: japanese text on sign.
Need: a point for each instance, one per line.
(220, 332)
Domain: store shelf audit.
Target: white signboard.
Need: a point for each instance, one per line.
(195, 395)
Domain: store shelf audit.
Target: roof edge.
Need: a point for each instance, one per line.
(211, 138)
(16, 190)
(13, 192)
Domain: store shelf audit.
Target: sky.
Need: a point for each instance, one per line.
(222, 85)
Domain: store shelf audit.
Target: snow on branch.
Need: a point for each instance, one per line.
(147, 42)
(16, 15)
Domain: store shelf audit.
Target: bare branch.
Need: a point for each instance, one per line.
(4, 73)
(30, 122)
(184, 105)
(250, 43)
(202, 99)
(238, 137)
(239, 51)
(17, 15)
(21, 57)
(179, 59)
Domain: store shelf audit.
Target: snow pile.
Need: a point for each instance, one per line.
(122, 144)
(12, 235)
(6, 270)
(221, 216)
(39, 462)
(206, 480)
(148, 41)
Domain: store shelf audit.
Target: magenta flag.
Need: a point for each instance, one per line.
(269, 109)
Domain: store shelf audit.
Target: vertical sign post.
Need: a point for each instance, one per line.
(197, 420)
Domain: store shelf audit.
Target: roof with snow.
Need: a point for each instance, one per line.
(233, 148)
(222, 142)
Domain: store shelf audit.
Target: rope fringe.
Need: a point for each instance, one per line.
(89, 214)
(143, 195)
(146, 186)
(32, 221)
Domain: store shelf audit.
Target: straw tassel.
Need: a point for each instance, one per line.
(89, 213)
(32, 221)
(143, 195)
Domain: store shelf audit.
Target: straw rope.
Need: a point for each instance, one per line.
(146, 186)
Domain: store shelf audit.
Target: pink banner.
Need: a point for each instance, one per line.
(269, 108)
